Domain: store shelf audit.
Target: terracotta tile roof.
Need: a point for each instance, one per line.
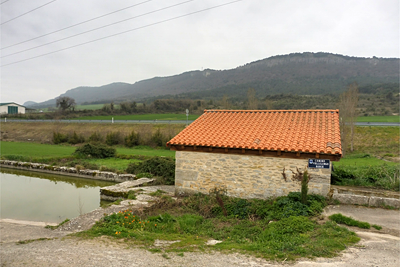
(313, 131)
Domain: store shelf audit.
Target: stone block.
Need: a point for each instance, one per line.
(351, 199)
(383, 201)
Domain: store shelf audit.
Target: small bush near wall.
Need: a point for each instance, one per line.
(157, 166)
(95, 151)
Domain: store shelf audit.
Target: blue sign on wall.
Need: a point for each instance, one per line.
(319, 163)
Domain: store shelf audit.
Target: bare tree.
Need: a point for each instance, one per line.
(252, 100)
(65, 103)
(225, 102)
(348, 115)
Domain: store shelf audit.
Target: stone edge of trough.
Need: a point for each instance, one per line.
(343, 197)
(358, 199)
(68, 171)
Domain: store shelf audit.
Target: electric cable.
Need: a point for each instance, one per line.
(76, 24)
(26, 12)
(4, 2)
(123, 32)
(95, 29)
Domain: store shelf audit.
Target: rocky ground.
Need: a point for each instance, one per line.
(30, 244)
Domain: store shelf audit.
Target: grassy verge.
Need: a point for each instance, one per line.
(379, 119)
(365, 170)
(280, 229)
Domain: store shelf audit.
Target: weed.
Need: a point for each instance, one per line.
(22, 242)
(154, 250)
(55, 227)
(219, 193)
(131, 194)
(157, 193)
(377, 227)
(339, 218)
(165, 256)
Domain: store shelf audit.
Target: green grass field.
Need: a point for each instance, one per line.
(35, 149)
(146, 151)
(379, 119)
(91, 107)
(357, 160)
(160, 117)
(50, 151)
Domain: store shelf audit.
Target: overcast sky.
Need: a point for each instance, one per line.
(219, 38)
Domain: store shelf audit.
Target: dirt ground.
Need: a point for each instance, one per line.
(56, 248)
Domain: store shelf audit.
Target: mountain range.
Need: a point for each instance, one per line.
(297, 73)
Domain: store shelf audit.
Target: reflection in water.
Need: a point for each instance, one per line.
(34, 196)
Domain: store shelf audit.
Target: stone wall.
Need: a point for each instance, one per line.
(245, 176)
(69, 171)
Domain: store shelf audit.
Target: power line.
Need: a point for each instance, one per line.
(27, 12)
(116, 34)
(95, 29)
(4, 2)
(77, 24)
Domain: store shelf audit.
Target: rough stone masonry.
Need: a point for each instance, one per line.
(244, 176)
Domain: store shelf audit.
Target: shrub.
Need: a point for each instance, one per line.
(157, 166)
(114, 138)
(59, 138)
(158, 138)
(95, 151)
(338, 174)
(95, 138)
(144, 174)
(132, 139)
(76, 139)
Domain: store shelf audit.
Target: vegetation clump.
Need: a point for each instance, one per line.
(252, 226)
(364, 170)
(95, 151)
(157, 166)
(339, 218)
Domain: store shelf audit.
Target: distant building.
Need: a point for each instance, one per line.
(12, 108)
(256, 153)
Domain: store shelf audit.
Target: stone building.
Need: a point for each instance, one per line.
(255, 153)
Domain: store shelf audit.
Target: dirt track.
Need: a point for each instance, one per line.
(377, 248)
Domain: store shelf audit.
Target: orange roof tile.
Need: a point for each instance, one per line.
(313, 131)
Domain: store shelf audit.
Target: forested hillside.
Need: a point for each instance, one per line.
(298, 73)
